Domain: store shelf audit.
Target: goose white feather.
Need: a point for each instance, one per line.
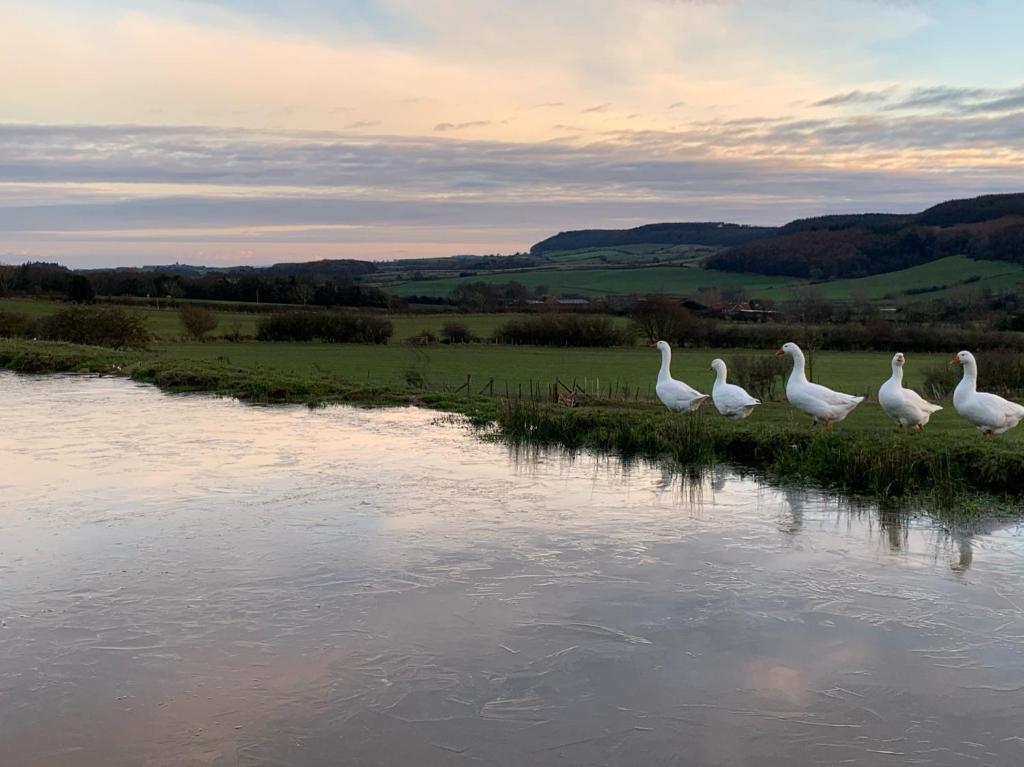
(989, 412)
(731, 400)
(675, 395)
(819, 402)
(905, 406)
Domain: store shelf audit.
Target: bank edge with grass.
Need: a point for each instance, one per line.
(948, 469)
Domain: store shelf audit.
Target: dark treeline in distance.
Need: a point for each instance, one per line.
(323, 283)
(716, 233)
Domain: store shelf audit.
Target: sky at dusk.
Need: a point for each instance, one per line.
(226, 132)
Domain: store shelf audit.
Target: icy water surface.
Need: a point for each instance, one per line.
(191, 581)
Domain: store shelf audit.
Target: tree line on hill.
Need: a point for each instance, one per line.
(714, 233)
(332, 285)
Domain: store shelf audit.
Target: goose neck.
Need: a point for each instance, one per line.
(798, 373)
(666, 364)
(897, 373)
(969, 383)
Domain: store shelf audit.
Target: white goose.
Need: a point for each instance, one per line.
(819, 402)
(989, 412)
(731, 400)
(675, 394)
(905, 406)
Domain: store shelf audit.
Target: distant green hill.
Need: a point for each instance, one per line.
(831, 247)
(591, 282)
(870, 254)
(935, 279)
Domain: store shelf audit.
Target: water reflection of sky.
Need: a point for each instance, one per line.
(189, 580)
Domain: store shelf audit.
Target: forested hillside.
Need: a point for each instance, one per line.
(833, 247)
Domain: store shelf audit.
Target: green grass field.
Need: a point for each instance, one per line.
(584, 277)
(391, 274)
(855, 372)
(442, 365)
(949, 272)
(630, 254)
(679, 280)
(482, 325)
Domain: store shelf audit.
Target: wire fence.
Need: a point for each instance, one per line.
(540, 390)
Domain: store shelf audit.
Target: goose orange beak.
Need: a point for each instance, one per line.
(955, 360)
(652, 346)
(779, 352)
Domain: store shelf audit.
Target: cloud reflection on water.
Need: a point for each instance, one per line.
(205, 582)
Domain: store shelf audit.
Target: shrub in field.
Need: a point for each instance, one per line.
(760, 374)
(331, 327)
(235, 334)
(17, 325)
(96, 326)
(457, 333)
(197, 320)
(563, 330)
(415, 377)
(1001, 372)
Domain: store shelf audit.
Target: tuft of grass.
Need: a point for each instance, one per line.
(881, 464)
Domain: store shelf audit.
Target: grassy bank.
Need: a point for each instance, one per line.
(882, 463)
(865, 454)
(259, 382)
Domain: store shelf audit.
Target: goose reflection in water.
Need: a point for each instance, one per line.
(792, 519)
(896, 528)
(964, 535)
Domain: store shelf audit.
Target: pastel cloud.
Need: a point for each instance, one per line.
(343, 127)
(205, 193)
(854, 97)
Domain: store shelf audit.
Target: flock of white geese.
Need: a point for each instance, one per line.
(991, 413)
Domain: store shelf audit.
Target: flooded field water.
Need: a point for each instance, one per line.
(191, 581)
